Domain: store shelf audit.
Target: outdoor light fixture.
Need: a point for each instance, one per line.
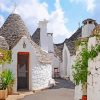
(24, 44)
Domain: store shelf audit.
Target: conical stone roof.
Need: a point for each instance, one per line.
(3, 43)
(14, 29)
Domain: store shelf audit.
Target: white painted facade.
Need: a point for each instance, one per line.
(40, 75)
(66, 62)
(78, 92)
(93, 88)
(43, 35)
(50, 43)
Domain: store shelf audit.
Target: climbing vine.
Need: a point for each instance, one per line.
(80, 68)
(7, 56)
(81, 42)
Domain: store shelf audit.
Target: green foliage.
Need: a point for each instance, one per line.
(6, 79)
(81, 42)
(80, 68)
(93, 53)
(7, 56)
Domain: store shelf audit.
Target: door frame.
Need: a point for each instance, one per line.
(23, 53)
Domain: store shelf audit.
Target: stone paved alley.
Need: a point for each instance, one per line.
(64, 90)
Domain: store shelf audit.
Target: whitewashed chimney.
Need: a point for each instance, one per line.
(50, 43)
(43, 35)
(88, 26)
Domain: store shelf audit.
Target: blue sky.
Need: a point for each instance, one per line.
(64, 16)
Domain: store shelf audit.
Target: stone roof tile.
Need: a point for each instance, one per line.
(70, 43)
(3, 43)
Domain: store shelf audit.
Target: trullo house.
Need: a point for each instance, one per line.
(30, 65)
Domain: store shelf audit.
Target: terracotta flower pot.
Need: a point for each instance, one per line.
(84, 97)
(3, 94)
(10, 91)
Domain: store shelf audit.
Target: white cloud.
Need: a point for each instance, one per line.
(90, 4)
(1, 20)
(58, 21)
(32, 11)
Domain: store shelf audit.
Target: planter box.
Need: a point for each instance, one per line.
(3, 94)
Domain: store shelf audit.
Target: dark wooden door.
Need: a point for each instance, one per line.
(23, 71)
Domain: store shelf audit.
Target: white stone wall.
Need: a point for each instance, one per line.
(93, 90)
(87, 30)
(42, 72)
(41, 76)
(66, 62)
(50, 43)
(78, 92)
(72, 62)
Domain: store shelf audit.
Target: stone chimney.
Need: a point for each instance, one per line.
(50, 43)
(43, 35)
(88, 26)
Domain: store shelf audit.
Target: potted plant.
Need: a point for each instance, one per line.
(10, 82)
(7, 81)
(3, 86)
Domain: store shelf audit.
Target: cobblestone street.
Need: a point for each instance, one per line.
(64, 90)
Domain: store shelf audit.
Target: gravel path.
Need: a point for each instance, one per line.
(64, 90)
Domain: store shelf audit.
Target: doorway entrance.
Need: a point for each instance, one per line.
(23, 71)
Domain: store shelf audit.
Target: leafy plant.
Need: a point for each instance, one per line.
(6, 79)
(7, 56)
(93, 53)
(80, 68)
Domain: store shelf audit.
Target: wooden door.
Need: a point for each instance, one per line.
(23, 71)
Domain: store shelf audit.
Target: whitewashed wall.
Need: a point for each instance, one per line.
(41, 76)
(66, 62)
(43, 35)
(78, 92)
(93, 90)
(38, 74)
(50, 42)
(72, 62)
